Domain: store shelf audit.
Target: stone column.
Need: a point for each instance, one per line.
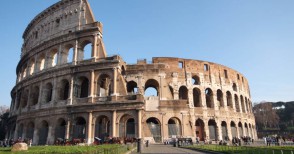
(59, 55)
(114, 81)
(94, 47)
(70, 99)
(229, 130)
(89, 137)
(67, 130)
(54, 90)
(36, 136)
(114, 124)
(140, 85)
(243, 129)
(237, 132)
(92, 86)
(40, 96)
(75, 54)
(206, 129)
(215, 102)
(139, 124)
(225, 101)
(219, 131)
(203, 98)
(51, 135)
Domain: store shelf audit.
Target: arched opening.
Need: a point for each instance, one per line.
(87, 50)
(246, 104)
(30, 131)
(250, 131)
(102, 127)
(20, 131)
(35, 95)
(151, 88)
(43, 133)
(154, 127)
(53, 58)
(64, 90)
(79, 130)
(104, 85)
(246, 130)
(24, 73)
(174, 127)
(234, 87)
(242, 104)
(220, 98)
(240, 129)
(233, 129)
(60, 129)
(183, 93)
(82, 88)
(123, 70)
(200, 129)
(224, 131)
(237, 103)
(209, 98)
(195, 80)
(24, 98)
(212, 130)
(41, 62)
(229, 99)
(132, 87)
(197, 97)
(18, 94)
(48, 91)
(127, 126)
(130, 129)
(69, 57)
(32, 66)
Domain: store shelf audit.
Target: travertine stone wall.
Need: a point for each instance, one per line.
(67, 87)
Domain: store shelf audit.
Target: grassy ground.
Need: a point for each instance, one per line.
(245, 149)
(100, 149)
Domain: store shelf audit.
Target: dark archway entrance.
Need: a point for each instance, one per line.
(79, 128)
(212, 130)
(200, 129)
(102, 127)
(43, 133)
(224, 130)
(60, 129)
(154, 128)
(174, 127)
(233, 129)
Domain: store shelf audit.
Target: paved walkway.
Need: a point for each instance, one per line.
(161, 148)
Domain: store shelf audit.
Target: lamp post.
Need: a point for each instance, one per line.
(162, 129)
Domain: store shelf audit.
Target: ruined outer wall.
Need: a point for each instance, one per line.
(229, 103)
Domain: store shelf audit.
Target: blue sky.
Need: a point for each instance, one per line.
(255, 37)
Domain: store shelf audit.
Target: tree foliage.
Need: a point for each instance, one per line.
(4, 115)
(265, 115)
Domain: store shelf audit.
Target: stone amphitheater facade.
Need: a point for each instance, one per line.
(67, 87)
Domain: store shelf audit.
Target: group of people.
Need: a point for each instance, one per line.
(273, 140)
(11, 142)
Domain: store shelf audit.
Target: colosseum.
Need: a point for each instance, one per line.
(67, 87)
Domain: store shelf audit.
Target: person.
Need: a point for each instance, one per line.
(268, 141)
(30, 142)
(147, 143)
(197, 140)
